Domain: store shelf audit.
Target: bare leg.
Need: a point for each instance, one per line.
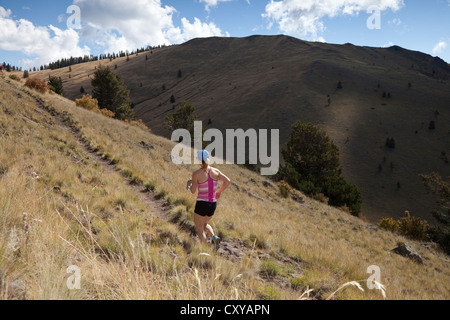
(200, 223)
(209, 230)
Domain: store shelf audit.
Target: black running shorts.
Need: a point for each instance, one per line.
(205, 209)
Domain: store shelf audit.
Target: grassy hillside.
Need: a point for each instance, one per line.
(77, 188)
(273, 81)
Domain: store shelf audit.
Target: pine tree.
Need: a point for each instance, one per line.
(111, 93)
(55, 84)
(312, 166)
(183, 118)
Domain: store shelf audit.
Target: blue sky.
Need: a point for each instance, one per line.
(35, 32)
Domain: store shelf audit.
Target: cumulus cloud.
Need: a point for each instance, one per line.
(197, 29)
(439, 47)
(41, 44)
(303, 18)
(5, 13)
(106, 25)
(120, 25)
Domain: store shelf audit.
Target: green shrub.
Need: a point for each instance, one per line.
(298, 283)
(127, 173)
(389, 224)
(440, 189)
(269, 268)
(150, 186)
(14, 77)
(136, 180)
(413, 227)
(285, 189)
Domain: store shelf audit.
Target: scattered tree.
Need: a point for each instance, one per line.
(432, 125)
(183, 118)
(312, 166)
(390, 143)
(111, 93)
(55, 84)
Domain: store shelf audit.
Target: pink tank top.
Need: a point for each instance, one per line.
(207, 189)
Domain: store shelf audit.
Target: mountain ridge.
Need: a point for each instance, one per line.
(272, 81)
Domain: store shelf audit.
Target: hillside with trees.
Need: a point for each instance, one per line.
(386, 109)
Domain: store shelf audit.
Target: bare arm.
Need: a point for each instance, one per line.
(226, 182)
(194, 183)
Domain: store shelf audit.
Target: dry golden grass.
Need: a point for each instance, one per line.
(80, 213)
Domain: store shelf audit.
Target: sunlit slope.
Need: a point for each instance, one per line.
(81, 210)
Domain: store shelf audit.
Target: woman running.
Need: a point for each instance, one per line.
(206, 179)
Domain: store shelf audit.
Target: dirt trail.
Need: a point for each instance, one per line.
(233, 249)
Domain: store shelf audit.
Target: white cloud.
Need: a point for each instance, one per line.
(439, 47)
(5, 13)
(120, 25)
(213, 3)
(107, 25)
(303, 18)
(197, 29)
(41, 44)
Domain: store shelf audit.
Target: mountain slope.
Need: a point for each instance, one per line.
(72, 193)
(273, 81)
